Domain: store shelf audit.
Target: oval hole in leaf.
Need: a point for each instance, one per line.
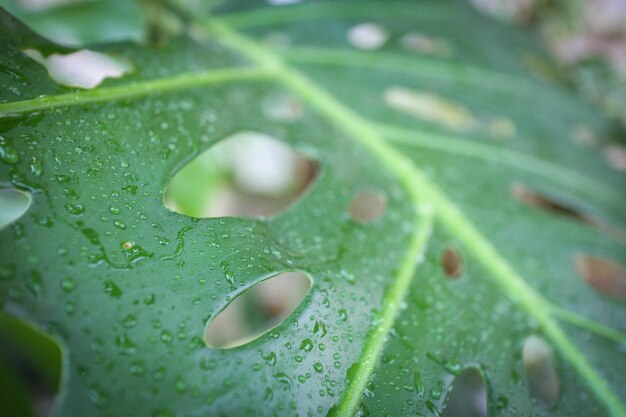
(367, 206)
(367, 36)
(247, 174)
(468, 395)
(14, 204)
(451, 262)
(30, 361)
(546, 203)
(616, 156)
(84, 68)
(541, 375)
(533, 198)
(257, 310)
(430, 107)
(604, 275)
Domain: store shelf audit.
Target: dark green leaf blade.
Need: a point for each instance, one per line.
(98, 197)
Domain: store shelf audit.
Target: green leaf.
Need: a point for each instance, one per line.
(81, 22)
(481, 159)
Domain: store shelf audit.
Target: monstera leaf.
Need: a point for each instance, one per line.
(500, 249)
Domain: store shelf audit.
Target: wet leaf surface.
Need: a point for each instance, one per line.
(127, 286)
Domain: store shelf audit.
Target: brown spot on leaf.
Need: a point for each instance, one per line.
(533, 198)
(604, 275)
(452, 263)
(544, 202)
(367, 206)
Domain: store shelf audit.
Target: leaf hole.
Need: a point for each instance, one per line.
(367, 36)
(452, 263)
(533, 198)
(283, 107)
(31, 362)
(247, 174)
(540, 370)
(14, 204)
(543, 202)
(468, 395)
(84, 68)
(615, 155)
(424, 44)
(257, 310)
(603, 275)
(367, 206)
(430, 107)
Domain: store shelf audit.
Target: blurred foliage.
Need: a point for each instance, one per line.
(78, 23)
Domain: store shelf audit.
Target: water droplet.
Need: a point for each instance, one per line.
(70, 308)
(181, 386)
(98, 396)
(228, 274)
(166, 337)
(306, 345)
(119, 224)
(137, 368)
(129, 321)
(282, 378)
(320, 327)
(348, 276)
(34, 283)
(270, 358)
(436, 391)
(36, 166)
(158, 374)
(111, 289)
(8, 154)
(419, 385)
(124, 344)
(68, 285)
(74, 209)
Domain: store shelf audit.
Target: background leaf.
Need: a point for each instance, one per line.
(76, 23)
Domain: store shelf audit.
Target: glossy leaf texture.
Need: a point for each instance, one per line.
(494, 181)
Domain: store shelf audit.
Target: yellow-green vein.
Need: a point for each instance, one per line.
(136, 89)
(586, 324)
(422, 191)
(503, 156)
(446, 70)
(427, 11)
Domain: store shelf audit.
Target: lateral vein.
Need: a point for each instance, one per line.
(136, 89)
